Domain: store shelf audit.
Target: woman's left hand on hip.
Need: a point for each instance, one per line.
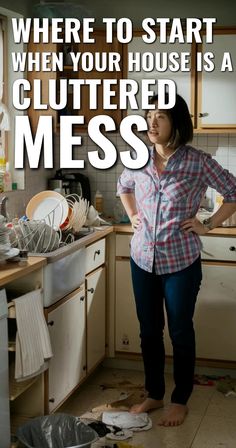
(193, 225)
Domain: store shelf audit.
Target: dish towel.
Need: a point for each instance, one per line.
(33, 345)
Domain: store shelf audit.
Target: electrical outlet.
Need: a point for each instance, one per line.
(125, 342)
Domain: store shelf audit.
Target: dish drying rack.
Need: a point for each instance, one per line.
(43, 235)
(34, 236)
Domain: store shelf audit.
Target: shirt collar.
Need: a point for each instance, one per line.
(152, 152)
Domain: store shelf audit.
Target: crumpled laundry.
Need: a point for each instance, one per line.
(120, 435)
(100, 428)
(128, 420)
(124, 384)
(124, 403)
(91, 416)
(227, 386)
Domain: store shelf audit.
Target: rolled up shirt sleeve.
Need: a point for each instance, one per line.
(126, 182)
(219, 178)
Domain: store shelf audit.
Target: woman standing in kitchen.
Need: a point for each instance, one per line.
(162, 200)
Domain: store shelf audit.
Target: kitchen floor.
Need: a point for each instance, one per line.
(211, 422)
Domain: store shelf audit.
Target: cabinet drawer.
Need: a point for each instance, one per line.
(218, 248)
(123, 245)
(95, 255)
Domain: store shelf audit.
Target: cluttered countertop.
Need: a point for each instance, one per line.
(11, 270)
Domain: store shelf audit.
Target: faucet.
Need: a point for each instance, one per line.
(3, 208)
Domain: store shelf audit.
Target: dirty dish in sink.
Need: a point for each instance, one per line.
(11, 253)
(80, 210)
(49, 206)
(35, 236)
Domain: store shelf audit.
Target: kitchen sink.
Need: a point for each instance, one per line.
(64, 271)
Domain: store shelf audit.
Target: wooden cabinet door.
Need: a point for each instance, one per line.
(96, 324)
(67, 332)
(98, 47)
(183, 79)
(215, 313)
(217, 95)
(127, 325)
(95, 50)
(44, 77)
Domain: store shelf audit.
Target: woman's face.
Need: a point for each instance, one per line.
(159, 127)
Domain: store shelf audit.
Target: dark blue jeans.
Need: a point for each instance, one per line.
(178, 291)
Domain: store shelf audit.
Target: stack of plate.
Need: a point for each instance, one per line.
(6, 251)
(79, 214)
(48, 206)
(57, 211)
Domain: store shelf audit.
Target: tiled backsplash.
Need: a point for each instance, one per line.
(221, 146)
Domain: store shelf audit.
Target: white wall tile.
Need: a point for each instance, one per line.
(202, 141)
(212, 140)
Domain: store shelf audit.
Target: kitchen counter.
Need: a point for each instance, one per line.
(12, 271)
(218, 231)
(84, 241)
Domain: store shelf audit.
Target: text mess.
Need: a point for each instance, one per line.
(43, 140)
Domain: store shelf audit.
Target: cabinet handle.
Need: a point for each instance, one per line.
(91, 290)
(51, 400)
(84, 367)
(232, 248)
(51, 323)
(97, 252)
(82, 298)
(203, 114)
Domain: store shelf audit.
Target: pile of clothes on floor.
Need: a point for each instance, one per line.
(113, 421)
(119, 425)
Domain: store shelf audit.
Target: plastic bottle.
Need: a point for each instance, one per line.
(2, 159)
(120, 215)
(7, 180)
(2, 167)
(98, 202)
(1, 181)
(218, 201)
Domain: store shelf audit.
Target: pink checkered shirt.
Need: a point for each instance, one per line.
(164, 201)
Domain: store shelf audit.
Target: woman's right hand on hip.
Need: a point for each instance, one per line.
(135, 221)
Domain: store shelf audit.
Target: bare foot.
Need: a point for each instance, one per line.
(174, 415)
(146, 405)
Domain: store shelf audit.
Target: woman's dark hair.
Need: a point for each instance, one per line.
(182, 126)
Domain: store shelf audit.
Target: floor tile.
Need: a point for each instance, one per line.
(200, 399)
(216, 432)
(220, 405)
(160, 437)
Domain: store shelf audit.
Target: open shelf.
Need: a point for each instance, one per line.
(18, 420)
(16, 388)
